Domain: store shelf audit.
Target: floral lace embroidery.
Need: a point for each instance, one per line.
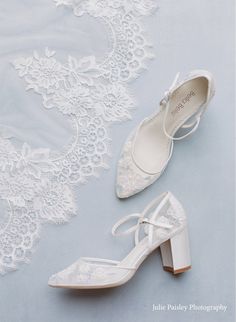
(36, 186)
(87, 271)
(79, 90)
(32, 196)
(129, 178)
(109, 8)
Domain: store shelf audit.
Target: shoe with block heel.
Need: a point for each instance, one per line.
(161, 224)
(149, 148)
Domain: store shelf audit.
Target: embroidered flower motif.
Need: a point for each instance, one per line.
(41, 73)
(100, 273)
(46, 72)
(113, 102)
(23, 65)
(87, 272)
(108, 8)
(84, 71)
(17, 237)
(74, 100)
(8, 155)
(96, 8)
(34, 162)
(130, 179)
(17, 188)
(55, 202)
(143, 7)
(84, 268)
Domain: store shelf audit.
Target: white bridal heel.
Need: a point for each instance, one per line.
(164, 224)
(175, 253)
(148, 150)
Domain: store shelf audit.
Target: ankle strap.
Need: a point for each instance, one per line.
(166, 102)
(152, 223)
(194, 125)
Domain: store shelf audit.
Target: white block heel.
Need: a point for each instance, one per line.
(163, 221)
(175, 253)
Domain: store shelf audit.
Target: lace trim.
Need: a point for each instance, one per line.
(31, 196)
(36, 186)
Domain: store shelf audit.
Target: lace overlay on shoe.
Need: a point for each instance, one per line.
(36, 185)
(130, 179)
(162, 219)
(87, 271)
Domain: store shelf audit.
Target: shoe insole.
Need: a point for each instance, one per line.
(152, 147)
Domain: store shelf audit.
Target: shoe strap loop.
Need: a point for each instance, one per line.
(166, 103)
(141, 219)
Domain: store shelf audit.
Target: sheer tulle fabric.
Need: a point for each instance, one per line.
(79, 58)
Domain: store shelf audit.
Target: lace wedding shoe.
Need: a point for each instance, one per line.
(164, 224)
(148, 150)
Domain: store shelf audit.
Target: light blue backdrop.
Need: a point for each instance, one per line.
(187, 35)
